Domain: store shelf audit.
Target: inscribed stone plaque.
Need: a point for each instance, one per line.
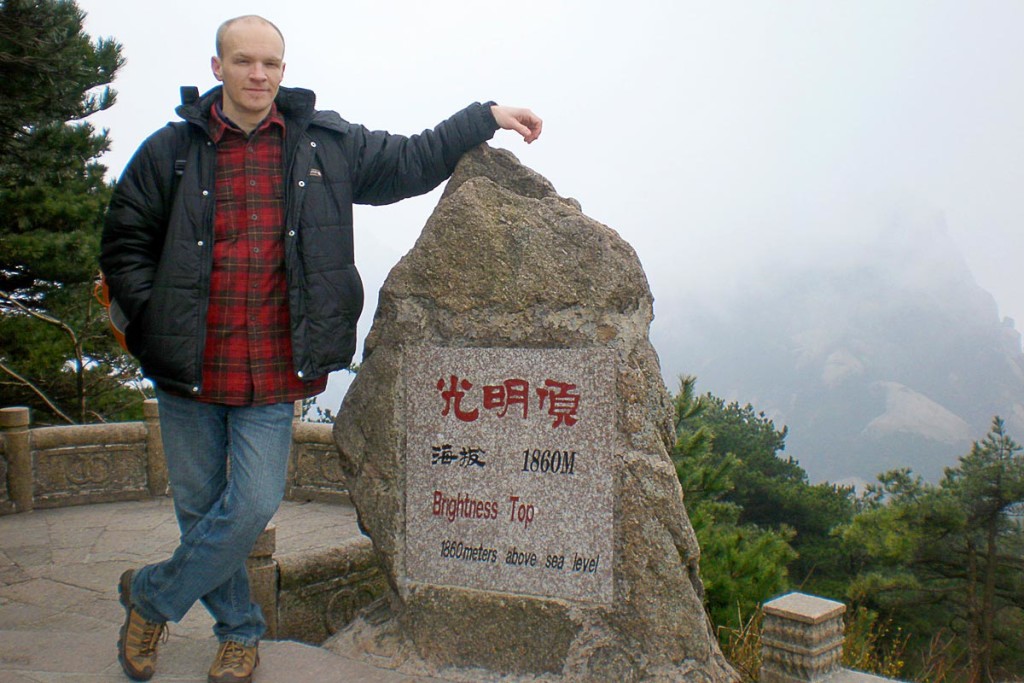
(509, 459)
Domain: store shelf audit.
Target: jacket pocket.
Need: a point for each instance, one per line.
(166, 340)
(334, 305)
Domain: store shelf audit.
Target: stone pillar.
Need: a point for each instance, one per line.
(263, 577)
(14, 423)
(156, 464)
(293, 457)
(802, 639)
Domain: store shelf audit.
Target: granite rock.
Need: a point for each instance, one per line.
(505, 262)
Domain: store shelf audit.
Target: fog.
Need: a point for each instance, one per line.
(719, 139)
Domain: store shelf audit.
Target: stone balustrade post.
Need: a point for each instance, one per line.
(263, 577)
(293, 457)
(156, 464)
(14, 422)
(801, 639)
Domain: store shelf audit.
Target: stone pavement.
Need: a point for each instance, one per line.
(59, 613)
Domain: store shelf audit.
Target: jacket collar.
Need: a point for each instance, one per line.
(295, 104)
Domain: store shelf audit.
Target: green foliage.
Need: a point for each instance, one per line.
(51, 188)
(312, 412)
(56, 354)
(742, 565)
(949, 558)
(935, 573)
(773, 493)
(43, 49)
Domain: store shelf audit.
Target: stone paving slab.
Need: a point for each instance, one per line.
(180, 662)
(59, 613)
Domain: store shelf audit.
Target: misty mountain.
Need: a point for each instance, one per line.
(883, 354)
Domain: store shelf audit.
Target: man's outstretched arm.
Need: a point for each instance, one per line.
(523, 121)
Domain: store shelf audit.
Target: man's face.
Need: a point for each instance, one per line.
(251, 68)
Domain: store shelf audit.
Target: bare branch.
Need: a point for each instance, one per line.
(36, 390)
(49, 320)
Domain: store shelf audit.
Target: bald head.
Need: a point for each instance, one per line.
(250, 64)
(223, 29)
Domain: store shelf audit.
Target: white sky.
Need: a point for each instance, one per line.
(715, 137)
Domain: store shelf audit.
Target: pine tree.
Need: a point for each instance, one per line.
(772, 492)
(55, 352)
(989, 485)
(742, 565)
(950, 558)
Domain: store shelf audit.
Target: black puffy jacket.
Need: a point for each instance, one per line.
(158, 237)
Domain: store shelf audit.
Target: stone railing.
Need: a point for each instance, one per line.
(311, 596)
(304, 596)
(802, 641)
(47, 467)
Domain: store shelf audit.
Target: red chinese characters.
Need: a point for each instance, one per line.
(453, 396)
(511, 392)
(562, 403)
(559, 400)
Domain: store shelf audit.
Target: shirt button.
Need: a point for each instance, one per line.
(206, 193)
(255, 250)
(299, 373)
(254, 217)
(250, 148)
(199, 243)
(312, 143)
(302, 183)
(252, 183)
(291, 233)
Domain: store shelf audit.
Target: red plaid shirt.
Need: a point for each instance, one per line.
(248, 354)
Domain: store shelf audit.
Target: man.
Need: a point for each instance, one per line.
(228, 245)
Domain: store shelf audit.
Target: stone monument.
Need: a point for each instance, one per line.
(505, 443)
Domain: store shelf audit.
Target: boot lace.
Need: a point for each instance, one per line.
(152, 635)
(233, 656)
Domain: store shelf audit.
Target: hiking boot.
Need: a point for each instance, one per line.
(234, 663)
(138, 639)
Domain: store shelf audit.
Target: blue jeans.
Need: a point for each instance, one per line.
(220, 516)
